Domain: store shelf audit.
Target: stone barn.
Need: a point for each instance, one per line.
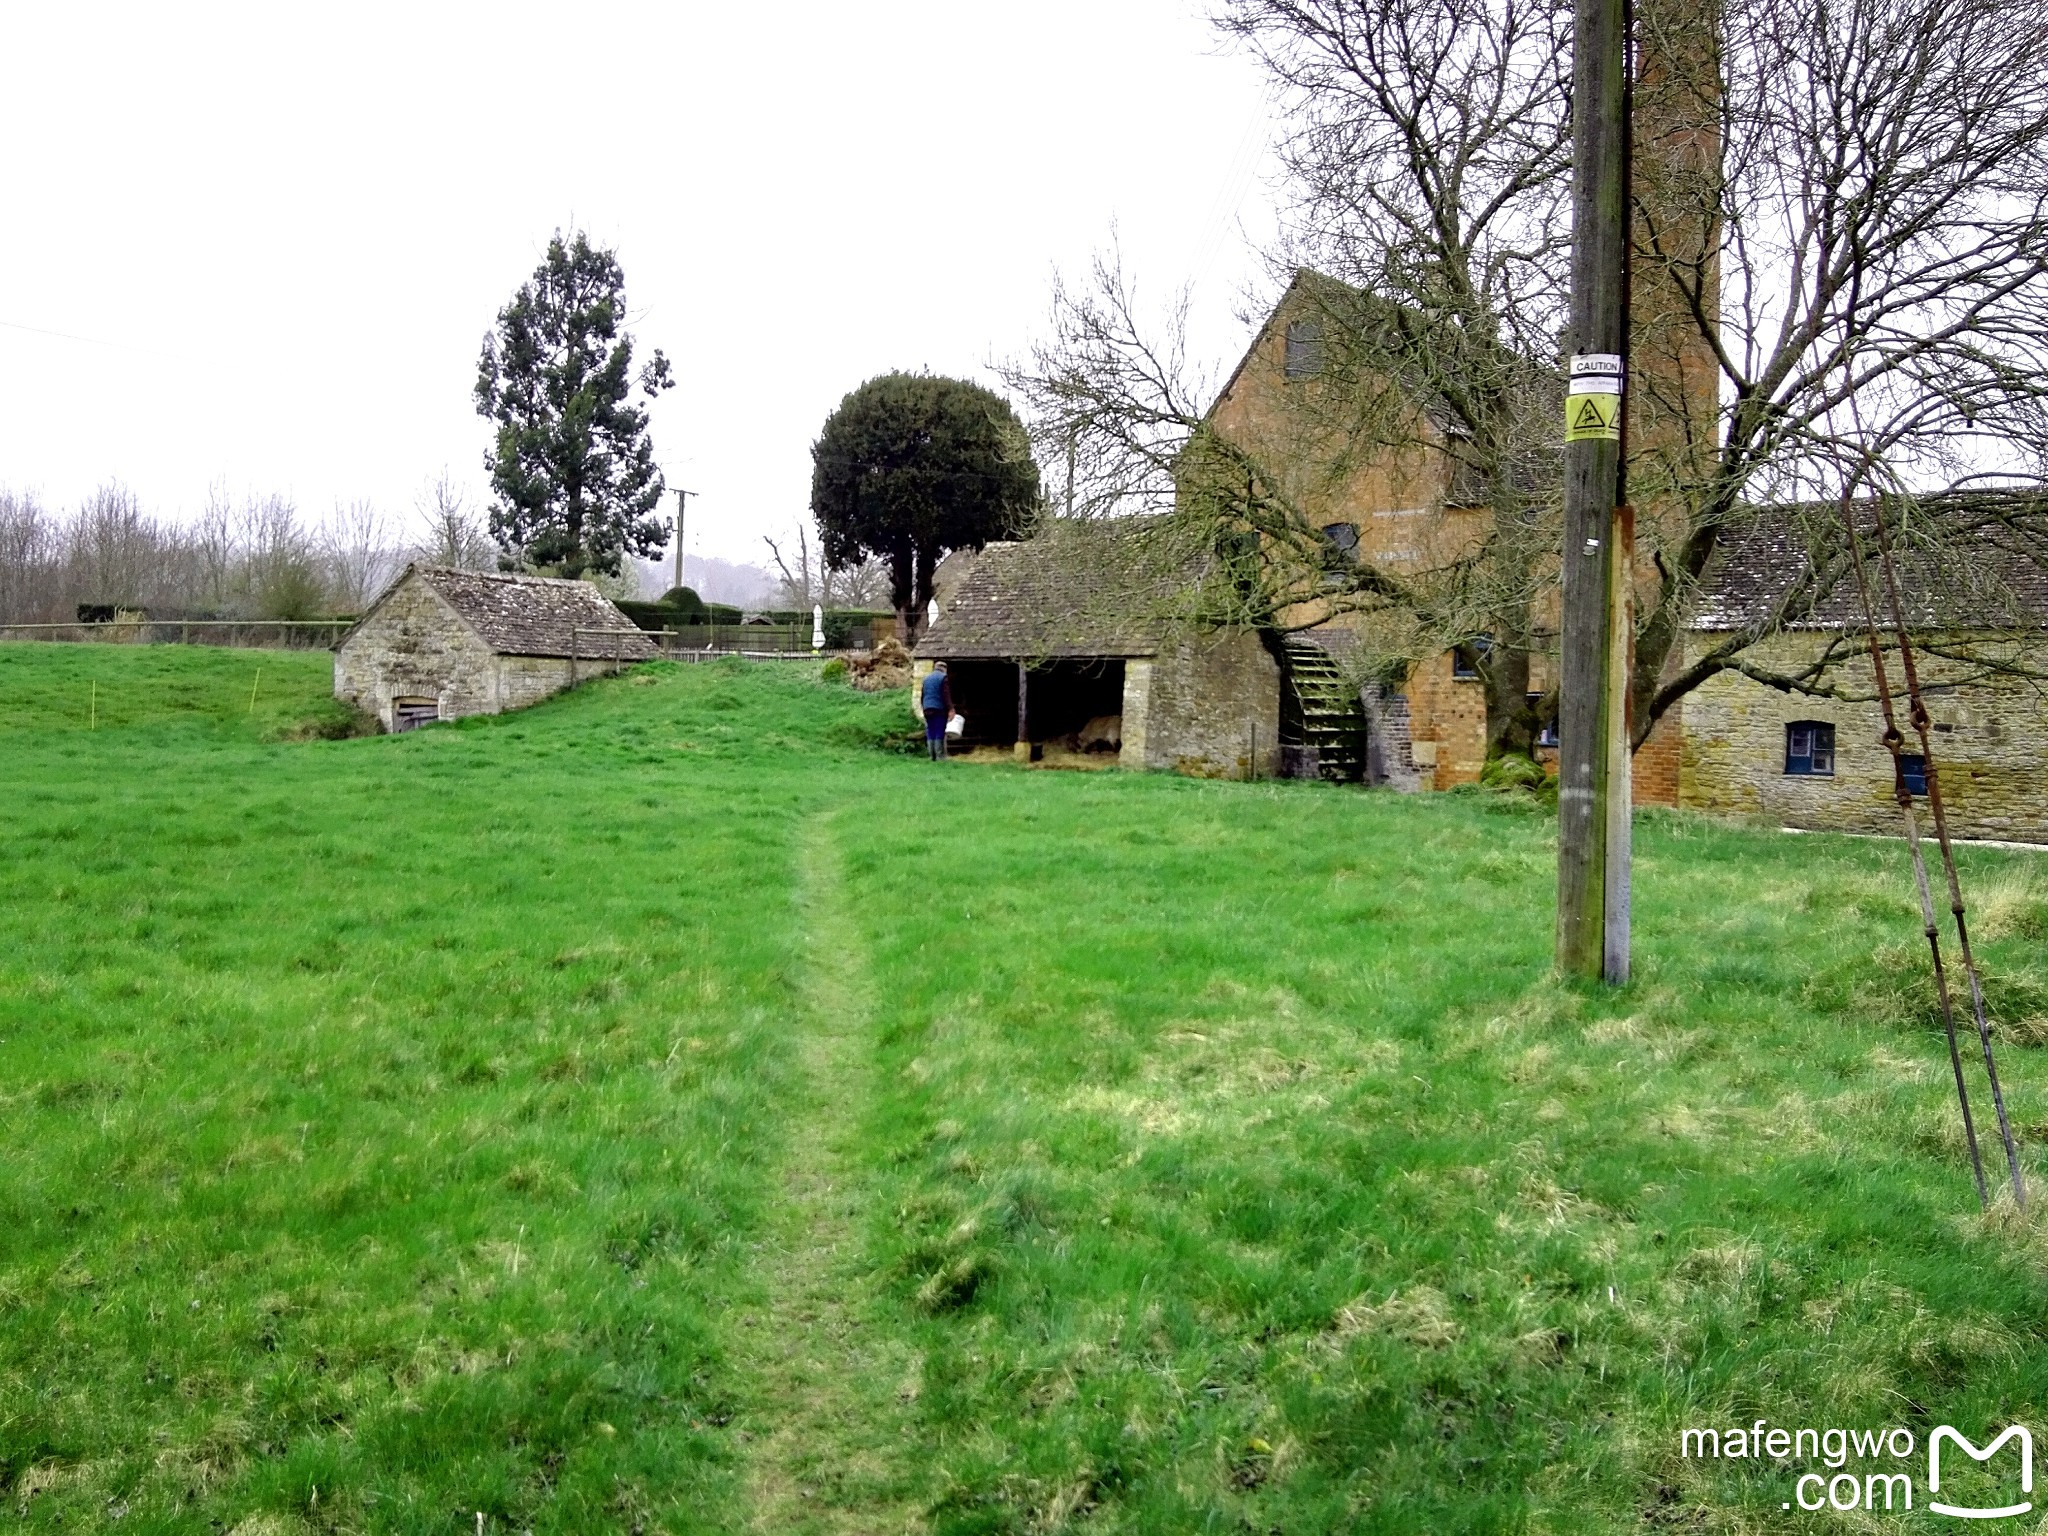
(1070, 647)
(440, 644)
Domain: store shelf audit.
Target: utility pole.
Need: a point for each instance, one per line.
(681, 498)
(1594, 799)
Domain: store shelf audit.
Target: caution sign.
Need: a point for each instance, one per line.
(1592, 408)
(1592, 418)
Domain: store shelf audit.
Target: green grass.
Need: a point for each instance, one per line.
(666, 1110)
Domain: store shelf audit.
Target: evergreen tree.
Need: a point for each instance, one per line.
(911, 466)
(572, 468)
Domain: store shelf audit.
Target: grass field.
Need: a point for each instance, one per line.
(668, 1109)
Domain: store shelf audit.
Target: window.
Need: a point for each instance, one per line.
(1546, 733)
(1340, 542)
(1466, 658)
(1304, 349)
(1810, 748)
(1913, 769)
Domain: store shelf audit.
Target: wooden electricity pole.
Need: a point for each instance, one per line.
(1597, 624)
(681, 498)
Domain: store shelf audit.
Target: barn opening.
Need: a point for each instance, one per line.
(1076, 705)
(985, 694)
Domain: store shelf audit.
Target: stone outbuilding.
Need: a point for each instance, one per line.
(1750, 746)
(441, 643)
(1069, 647)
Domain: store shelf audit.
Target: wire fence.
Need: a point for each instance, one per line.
(268, 634)
(692, 642)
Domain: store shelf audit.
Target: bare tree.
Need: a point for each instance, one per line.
(30, 560)
(452, 535)
(115, 553)
(358, 555)
(280, 561)
(807, 580)
(1881, 286)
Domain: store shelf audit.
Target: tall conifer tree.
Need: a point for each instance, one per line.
(572, 467)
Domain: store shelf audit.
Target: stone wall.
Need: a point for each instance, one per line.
(1203, 697)
(524, 680)
(1990, 747)
(413, 646)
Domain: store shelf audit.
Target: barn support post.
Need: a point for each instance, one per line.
(1023, 747)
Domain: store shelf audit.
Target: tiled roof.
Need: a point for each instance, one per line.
(1987, 568)
(1107, 587)
(536, 615)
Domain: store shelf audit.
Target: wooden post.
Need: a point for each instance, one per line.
(1592, 844)
(1023, 747)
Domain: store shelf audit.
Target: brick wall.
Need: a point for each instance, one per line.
(1989, 745)
(1658, 762)
(1447, 721)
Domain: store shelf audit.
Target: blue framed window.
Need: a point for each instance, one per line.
(1913, 769)
(1466, 658)
(1810, 749)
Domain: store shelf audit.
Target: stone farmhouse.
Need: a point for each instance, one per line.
(440, 644)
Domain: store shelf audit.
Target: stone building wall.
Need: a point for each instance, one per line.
(524, 680)
(414, 646)
(1990, 748)
(1204, 696)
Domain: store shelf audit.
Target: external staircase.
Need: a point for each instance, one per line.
(1322, 723)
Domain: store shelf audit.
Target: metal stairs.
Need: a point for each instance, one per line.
(1322, 723)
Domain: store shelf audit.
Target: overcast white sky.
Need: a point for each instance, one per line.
(272, 237)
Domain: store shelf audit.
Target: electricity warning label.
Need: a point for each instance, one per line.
(1592, 408)
(1591, 418)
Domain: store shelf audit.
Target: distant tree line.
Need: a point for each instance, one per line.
(257, 558)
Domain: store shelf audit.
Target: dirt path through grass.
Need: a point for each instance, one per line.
(826, 1444)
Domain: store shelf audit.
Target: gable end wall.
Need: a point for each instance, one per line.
(414, 646)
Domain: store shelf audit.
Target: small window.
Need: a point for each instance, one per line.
(1304, 349)
(1913, 771)
(1810, 748)
(1340, 542)
(1466, 658)
(1546, 733)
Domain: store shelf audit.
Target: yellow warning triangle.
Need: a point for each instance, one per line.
(1589, 413)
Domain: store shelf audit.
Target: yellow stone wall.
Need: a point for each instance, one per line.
(1990, 748)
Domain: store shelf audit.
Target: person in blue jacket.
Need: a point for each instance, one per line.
(937, 702)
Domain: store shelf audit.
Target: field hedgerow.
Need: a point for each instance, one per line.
(671, 1109)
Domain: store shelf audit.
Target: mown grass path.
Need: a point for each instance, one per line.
(820, 1377)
